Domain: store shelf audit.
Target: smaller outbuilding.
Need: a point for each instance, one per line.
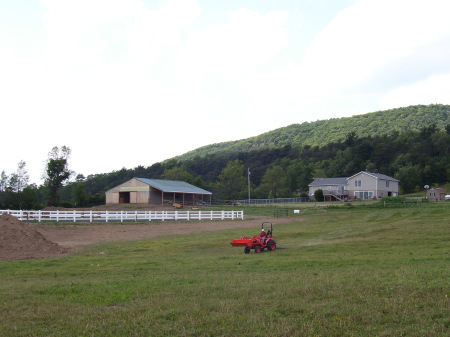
(436, 194)
(157, 192)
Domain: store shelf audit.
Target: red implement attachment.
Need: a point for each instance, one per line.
(245, 241)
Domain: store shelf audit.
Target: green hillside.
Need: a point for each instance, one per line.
(323, 132)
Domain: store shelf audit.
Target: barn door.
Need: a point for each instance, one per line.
(124, 197)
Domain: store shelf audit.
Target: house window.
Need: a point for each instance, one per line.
(357, 183)
(364, 195)
(387, 183)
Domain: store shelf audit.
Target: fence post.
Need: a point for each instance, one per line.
(74, 216)
(57, 215)
(106, 216)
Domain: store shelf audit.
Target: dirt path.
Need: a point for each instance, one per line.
(73, 236)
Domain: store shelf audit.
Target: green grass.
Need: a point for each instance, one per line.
(355, 271)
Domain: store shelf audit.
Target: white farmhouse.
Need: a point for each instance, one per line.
(363, 185)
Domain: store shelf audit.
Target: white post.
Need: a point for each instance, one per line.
(74, 216)
(106, 216)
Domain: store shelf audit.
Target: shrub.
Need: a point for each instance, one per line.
(318, 195)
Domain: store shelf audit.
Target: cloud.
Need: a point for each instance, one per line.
(233, 49)
(370, 48)
(93, 33)
(432, 90)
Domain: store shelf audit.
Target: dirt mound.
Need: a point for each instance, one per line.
(19, 241)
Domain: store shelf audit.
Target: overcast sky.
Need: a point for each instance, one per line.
(134, 82)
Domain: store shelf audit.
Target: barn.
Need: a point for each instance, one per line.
(157, 192)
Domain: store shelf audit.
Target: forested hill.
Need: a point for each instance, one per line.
(323, 132)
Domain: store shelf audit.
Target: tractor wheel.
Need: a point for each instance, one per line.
(246, 250)
(258, 250)
(271, 245)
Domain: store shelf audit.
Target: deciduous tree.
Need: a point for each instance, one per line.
(232, 180)
(276, 182)
(178, 173)
(57, 172)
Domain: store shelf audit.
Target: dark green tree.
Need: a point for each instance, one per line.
(57, 173)
(80, 197)
(410, 179)
(29, 197)
(178, 173)
(276, 182)
(232, 180)
(318, 195)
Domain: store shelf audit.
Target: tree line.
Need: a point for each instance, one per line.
(416, 158)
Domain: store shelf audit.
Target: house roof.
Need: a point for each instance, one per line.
(375, 175)
(328, 181)
(173, 186)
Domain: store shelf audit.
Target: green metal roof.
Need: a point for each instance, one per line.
(173, 186)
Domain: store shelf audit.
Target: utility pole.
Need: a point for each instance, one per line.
(248, 179)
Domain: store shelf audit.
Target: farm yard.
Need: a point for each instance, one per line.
(339, 271)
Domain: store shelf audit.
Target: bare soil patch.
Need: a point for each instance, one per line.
(71, 236)
(20, 241)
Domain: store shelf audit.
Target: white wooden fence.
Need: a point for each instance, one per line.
(127, 216)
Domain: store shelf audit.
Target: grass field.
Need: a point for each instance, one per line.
(344, 271)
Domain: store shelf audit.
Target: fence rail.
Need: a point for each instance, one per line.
(270, 201)
(127, 216)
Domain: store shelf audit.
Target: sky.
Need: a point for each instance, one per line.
(125, 83)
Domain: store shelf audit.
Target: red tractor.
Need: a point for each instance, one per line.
(258, 243)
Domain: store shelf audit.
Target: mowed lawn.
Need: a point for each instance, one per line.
(356, 271)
